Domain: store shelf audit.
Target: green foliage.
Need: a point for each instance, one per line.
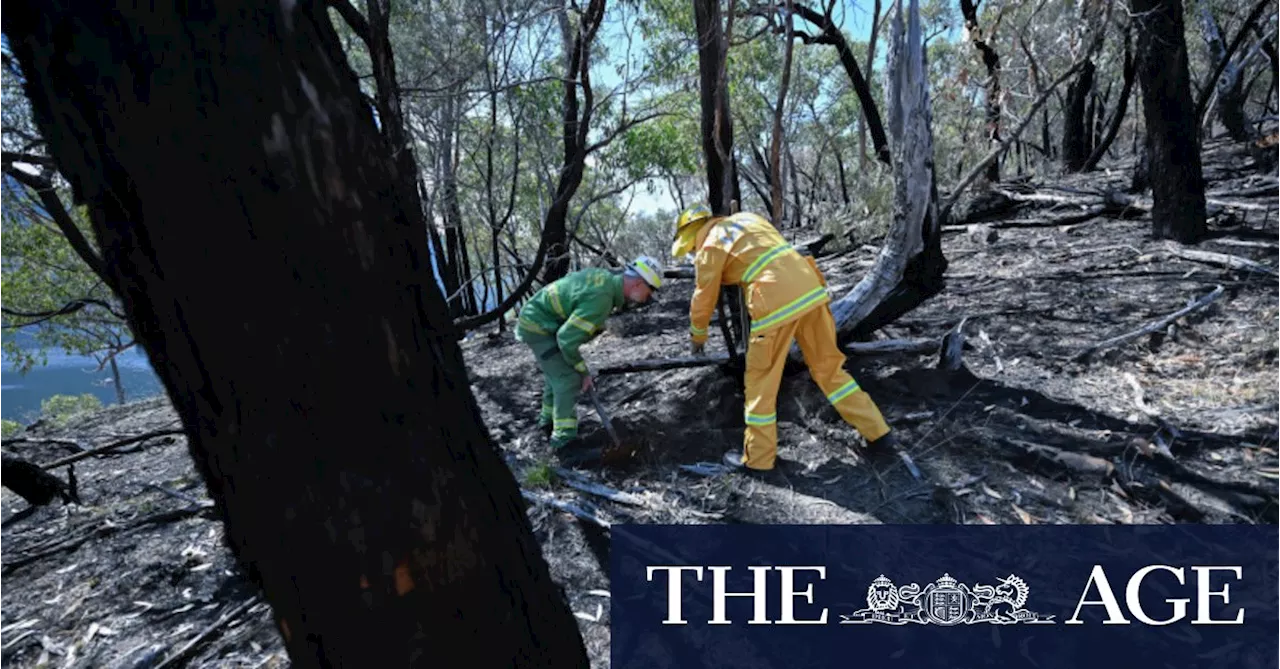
(61, 408)
(41, 273)
(9, 428)
(538, 476)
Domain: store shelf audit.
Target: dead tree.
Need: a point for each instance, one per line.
(1226, 80)
(717, 142)
(268, 269)
(1177, 182)
(991, 60)
(1075, 145)
(775, 149)
(1122, 106)
(910, 267)
(717, 122)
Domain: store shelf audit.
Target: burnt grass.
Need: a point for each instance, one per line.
(1176, 426)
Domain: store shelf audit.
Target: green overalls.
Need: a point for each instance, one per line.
(558, 319)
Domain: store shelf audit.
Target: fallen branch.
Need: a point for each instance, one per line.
(855, 348)
(1269, 246)
(576, 481)
(664, 363)
(1046, 222)
(112, 446)
(566, 507)
(1157, 325)
(209, 631)
(43, 440)
(892, 346)
(1220, 259)
(1060, 460)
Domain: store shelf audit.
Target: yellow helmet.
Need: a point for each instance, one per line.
(687, 227)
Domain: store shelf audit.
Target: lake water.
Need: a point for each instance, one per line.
(21, 394)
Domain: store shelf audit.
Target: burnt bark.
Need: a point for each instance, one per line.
(722, 174)
(990, 60)
(574, 126)
(777, 183)
(1122, 107)
(1075, 148)
(269, 266)
(1227, 77)
(1177, 181)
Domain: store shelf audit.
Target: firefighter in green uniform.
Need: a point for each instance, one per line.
(563, 316)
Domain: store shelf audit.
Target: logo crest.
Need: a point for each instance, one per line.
(947, 602)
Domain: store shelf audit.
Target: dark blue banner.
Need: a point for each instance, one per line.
(943, 597)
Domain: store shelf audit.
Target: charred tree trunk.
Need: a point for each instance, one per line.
(1226, 80)
(1122, 107)
(575, 125)
(382, 525)
(452, 212)
(1075, 149)
(714, 93)
(1177, 183)
(910, 267)
(991, 60)
(844, 184)
(717, 140)
(776, 182)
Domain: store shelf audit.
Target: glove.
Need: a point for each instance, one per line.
(696, 348)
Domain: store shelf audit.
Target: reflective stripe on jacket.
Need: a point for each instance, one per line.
(779, 284)
(573, 310)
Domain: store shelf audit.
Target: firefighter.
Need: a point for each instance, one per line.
(787, 299)
(563, 316)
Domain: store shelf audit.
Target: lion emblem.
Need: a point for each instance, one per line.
(881, 595)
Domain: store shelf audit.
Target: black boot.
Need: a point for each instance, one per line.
(575, 452)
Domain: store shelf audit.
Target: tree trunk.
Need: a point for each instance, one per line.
(115, 379)
(1075, 149)
(910, 267)
(287, 307)
(452, 212)
(991, 60)
(574, 130)
(870, 61)
(776, 182)
(714, 94)
(1226, 79)
(1177, 183)
(1122, 107)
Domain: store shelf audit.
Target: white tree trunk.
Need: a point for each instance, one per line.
(911, 136)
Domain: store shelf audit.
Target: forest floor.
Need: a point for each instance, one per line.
(1175, 426)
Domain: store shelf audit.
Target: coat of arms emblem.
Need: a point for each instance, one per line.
(947, 602)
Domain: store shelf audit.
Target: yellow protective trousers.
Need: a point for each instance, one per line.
(815, 332)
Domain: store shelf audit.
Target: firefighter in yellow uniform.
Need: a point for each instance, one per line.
(787, 299)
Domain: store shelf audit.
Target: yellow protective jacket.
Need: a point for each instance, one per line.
(745, 250)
